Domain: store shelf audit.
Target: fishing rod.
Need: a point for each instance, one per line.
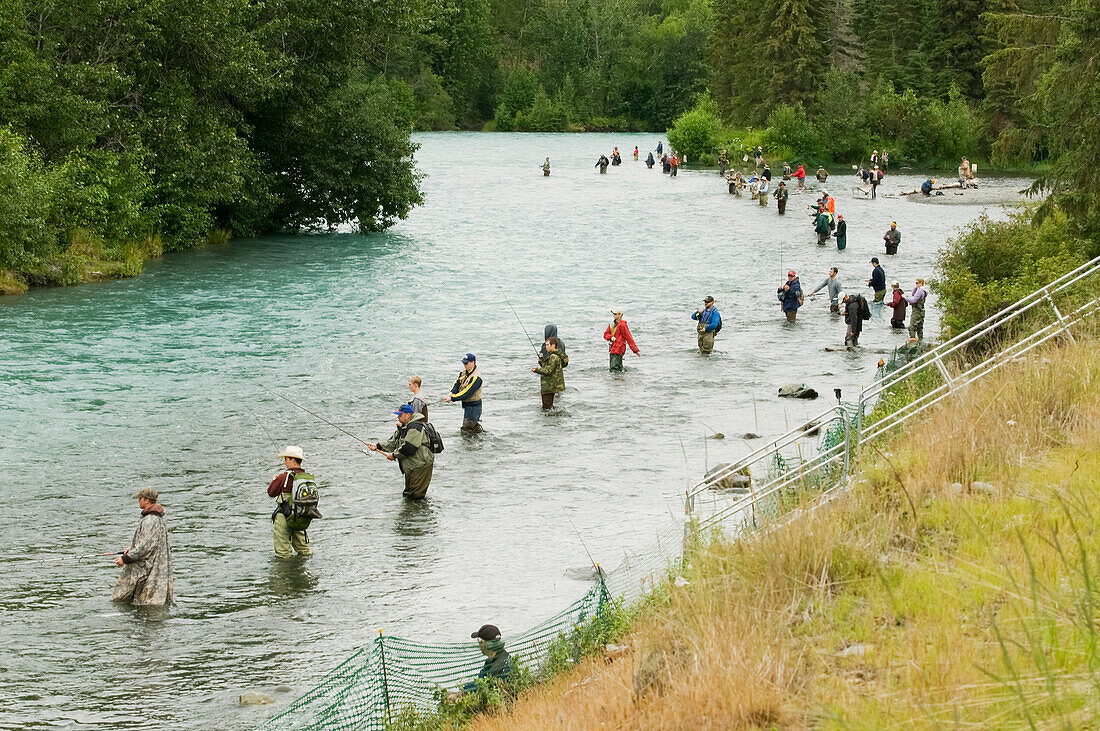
(594, 564)
(316, 415)
(505, 295)
(63, 558)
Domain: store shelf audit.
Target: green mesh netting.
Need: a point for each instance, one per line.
(393, 674)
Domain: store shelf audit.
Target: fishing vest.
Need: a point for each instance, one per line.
(464, 378)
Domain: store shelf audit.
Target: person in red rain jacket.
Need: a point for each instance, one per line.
(618, 336)
(800, 175)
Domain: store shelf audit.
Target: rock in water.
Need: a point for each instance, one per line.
(717, 435)
(750, 435)
(735, 481)
(797, 390)
(255, 699)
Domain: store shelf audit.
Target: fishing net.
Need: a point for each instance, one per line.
(394, 675)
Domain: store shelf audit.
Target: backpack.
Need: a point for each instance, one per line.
(864, 309)
(303, 502)
(435, 442)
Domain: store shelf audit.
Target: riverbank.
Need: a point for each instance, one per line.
(955, 584)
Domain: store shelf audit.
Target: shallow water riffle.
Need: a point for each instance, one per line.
(170, 381)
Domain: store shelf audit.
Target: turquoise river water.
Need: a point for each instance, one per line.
(168, 381)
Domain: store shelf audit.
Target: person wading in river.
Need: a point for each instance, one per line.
(618, 338)
(467, 389)
(855, 312)
(410, 447)
(916, 302)
(832, 286)
(546, 168)
(146, 578)
(877, 282)
(288, 529)
(892, 238)
(781, 195)
(552, 372)
(841, 233)
(790, 295)
(710, 324)
(418, 403)
(899, 303)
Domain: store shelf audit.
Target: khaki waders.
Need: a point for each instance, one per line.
(288, 541)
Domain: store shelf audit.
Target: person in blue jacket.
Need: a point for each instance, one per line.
(790, 294)
(926, 186)
(710, 323)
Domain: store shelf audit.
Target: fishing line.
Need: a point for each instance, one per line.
(579, 538)
(316, 415)
(36, 559)
(505, 295)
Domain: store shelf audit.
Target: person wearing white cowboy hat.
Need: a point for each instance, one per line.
(288, 541)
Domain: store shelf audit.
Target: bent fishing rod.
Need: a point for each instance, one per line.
(317, 416)
(505, 295)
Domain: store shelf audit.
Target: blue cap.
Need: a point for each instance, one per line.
(406, 409)
(470, 358)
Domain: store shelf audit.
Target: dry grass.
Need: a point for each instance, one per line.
(905, 603)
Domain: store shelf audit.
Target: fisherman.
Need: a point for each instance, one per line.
(618, 337)
(288, 525)
(899, 303)
(841, 233)
(892, 238)
(853, 317)
(821, 225)
(660, 148)
(863, 175)
(411, 447)
(675, 164)
(754, 187)
(829, 202)
(790, 295)
(735, 181)
(964, 171)
(602, 164)
(781, 194)
(710, 324)
(635, 153)
(666, 164)
(767, 173)
(877, 282)
(916, 302)
(551, 331)
(786, 171)
(418, 403)
(552, 372)
(885, 160)
(762, 191)
(467, 389)
(546, 168)
(616, 158)
(876, 178)
(758, 155)
(146, 578)
(497, 662)
(926, 186)
(649, 161)
(801, 175)
(874, 158)
(822, 174)
(832, 287)
(723, 162)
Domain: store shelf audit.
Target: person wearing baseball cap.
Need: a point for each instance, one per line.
(410, 446)
(710, 324)
(146, 578)
(790, 295)
(289, 538)
(618, 337)
(467, 390)
(498, 662)
(841, 233)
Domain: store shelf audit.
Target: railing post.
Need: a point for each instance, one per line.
(385, 680)
(1058, 314)
(847, 440)
(943, 372)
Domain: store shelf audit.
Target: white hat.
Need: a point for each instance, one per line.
(840, 296)
(291, 451)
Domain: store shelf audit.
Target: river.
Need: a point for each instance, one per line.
(168, 381)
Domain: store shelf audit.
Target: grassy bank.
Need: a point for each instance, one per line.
(88, 259)
(957, 583)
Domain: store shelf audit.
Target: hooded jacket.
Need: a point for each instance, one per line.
(552, 373)
(146, 578)
(899, 303)
(852, 313)
(409, 445)
(619, 338)
(551, 331)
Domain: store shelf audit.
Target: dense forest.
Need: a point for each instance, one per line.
(128, 127)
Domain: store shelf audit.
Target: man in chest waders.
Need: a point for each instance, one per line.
(410, 447)
(295, 493)
(546, 168)
(467, 390)
(710, 324)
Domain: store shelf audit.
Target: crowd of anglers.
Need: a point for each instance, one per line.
(146, 577)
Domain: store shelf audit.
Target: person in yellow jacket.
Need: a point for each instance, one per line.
(467, 389)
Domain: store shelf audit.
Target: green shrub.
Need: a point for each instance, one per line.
(789, 127)
(696, 132)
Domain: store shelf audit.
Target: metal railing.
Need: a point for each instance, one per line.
(831, 468)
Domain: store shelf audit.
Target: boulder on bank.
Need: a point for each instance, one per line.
(797, 390)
